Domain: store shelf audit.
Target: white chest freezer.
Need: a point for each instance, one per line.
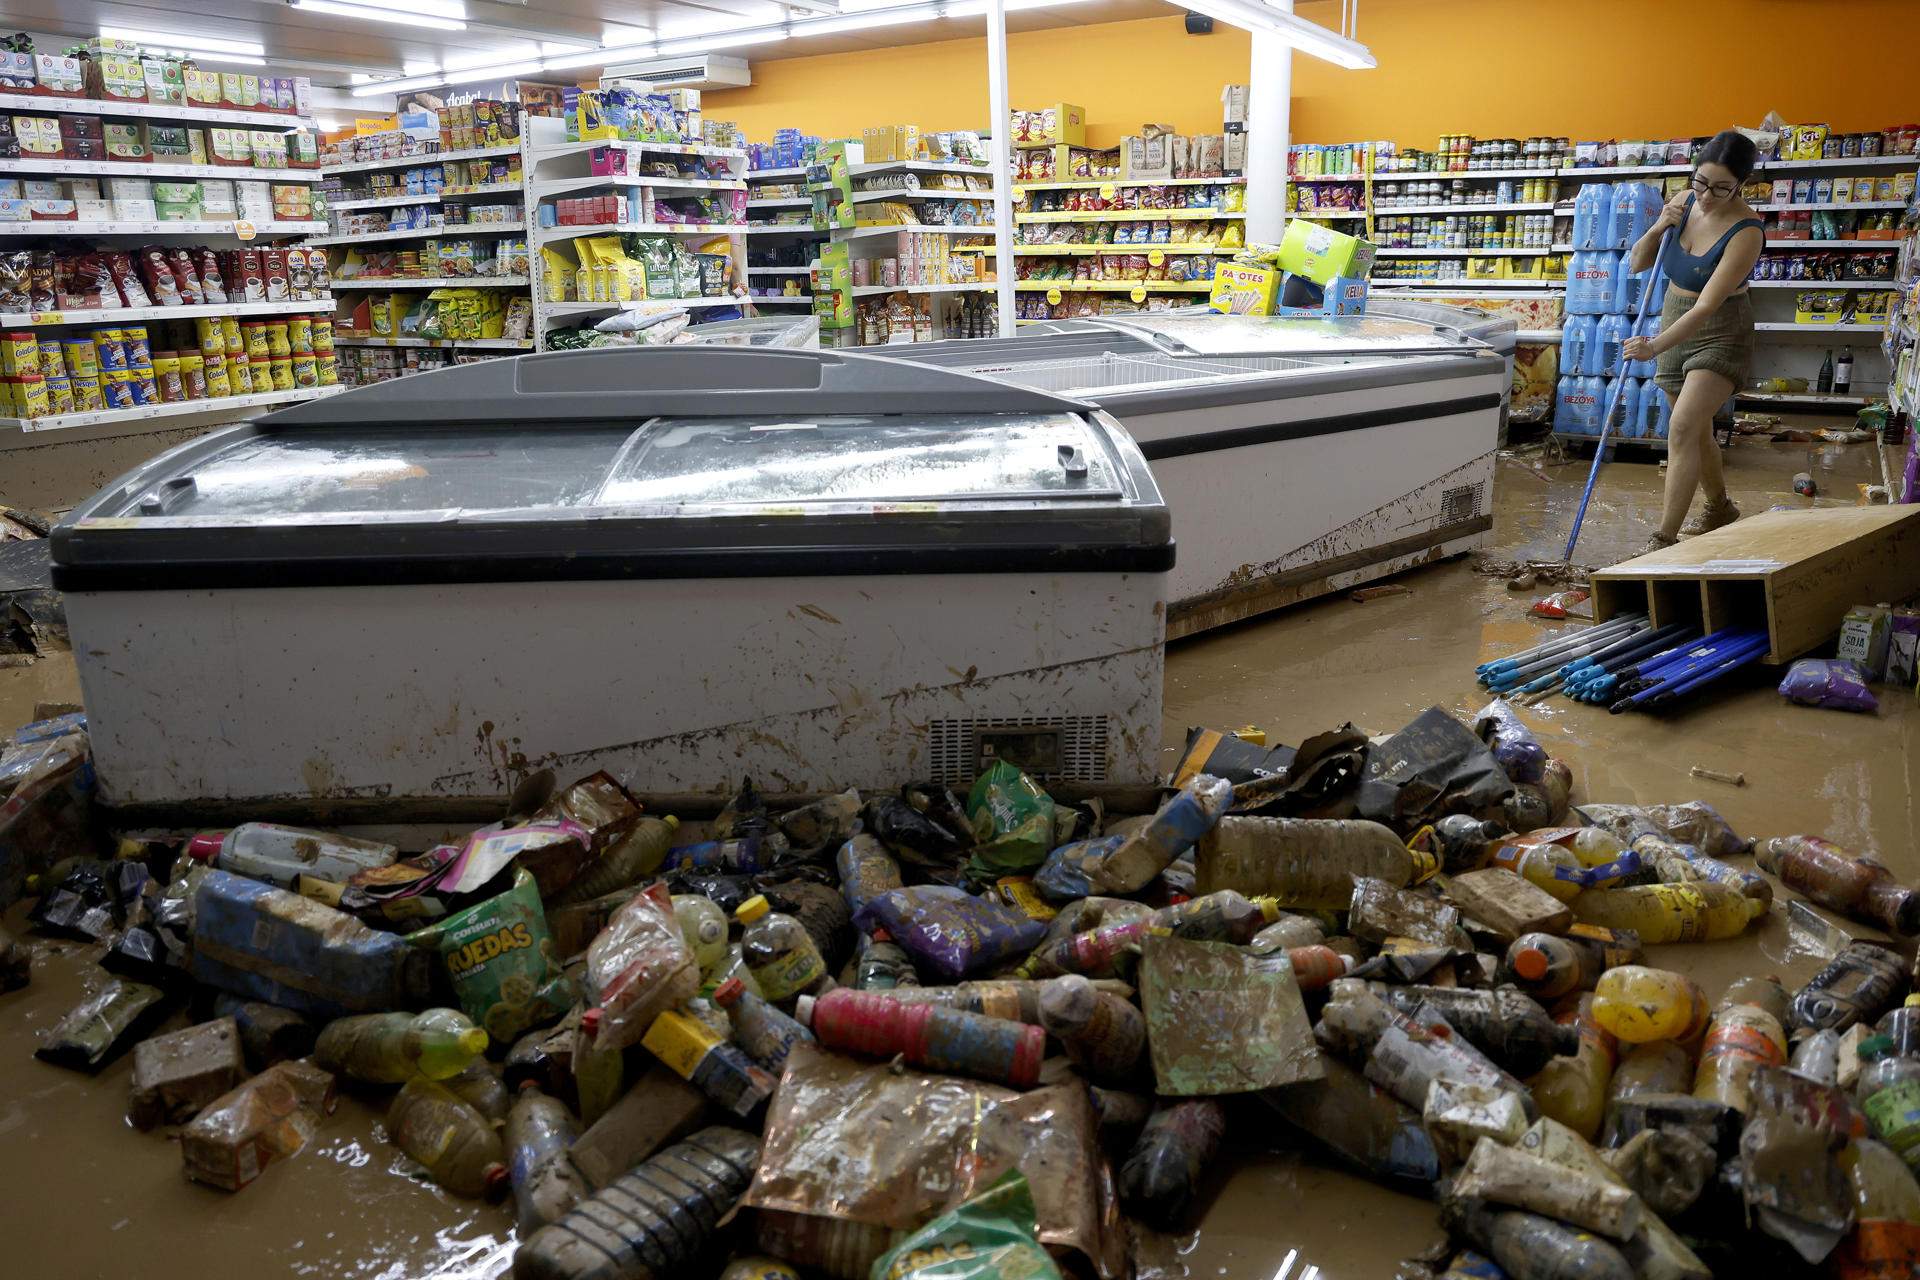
(1299, 457)
(679, 564)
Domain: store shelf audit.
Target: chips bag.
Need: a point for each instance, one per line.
(950, 931)
(1013, 819)
(502, 962)
(990, 1237)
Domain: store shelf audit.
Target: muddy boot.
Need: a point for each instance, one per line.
(1718, 513)
(1655, 543)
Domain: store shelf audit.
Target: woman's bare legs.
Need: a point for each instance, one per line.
(1693, 459)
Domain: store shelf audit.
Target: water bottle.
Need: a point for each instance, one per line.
(1576, 341)
(1661, 413)
(766, 1034)
(1566, 410)
(1593, 392)
(456, 1143)
(539, 1131)
(1635, 206)
(1592, 214)
(1647, 328)
(1627, 288)
(1623, 412)
(927, 1035)
(390, 1048)
(1609, 334)
(1182, 820)
(652, 1222)
(280, 855)
(1579, 284)
(704, 926)
(1103, 1034)
(1604, 268)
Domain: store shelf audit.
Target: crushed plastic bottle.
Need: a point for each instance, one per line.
(1365, 1124)
(1103, 1034)
(1190, 814)
(704, 926)
(1162, 1171)
(1858, 887)
(1638, 1004)
(1504, 1023)
(281, 855)
(926, 1035)
(1223, 916)
(1889, 1092)
(539, 1131)
(1662, 913)
(635, 855)
(455, 1143)
(765, 1033)
(781, 955)
(1572, 1088)
(1683, 864)
(1746, 1033)
(1306, 863)
(1858, 985)
(390, 1048)
(1097, 953)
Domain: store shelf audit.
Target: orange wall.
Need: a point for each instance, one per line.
(1648, 68)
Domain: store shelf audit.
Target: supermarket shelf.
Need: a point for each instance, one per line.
(1598, 173)
(1650, 444)
(1324, 215)
(1542, 287)
(776, 175)
(1841, 205)
(1822, 284)
(918, 166)
(1114, 286)
(1131, 215)
(781, 202)
(484, 344)
(890, 228)
(219, 404)
(648, 228)
(1093, 184)
(1807, 398)
(481, 190)
(1327, 177)
(918, 193)
(783, 229)
(1075, 250)
(551, 310)
(1548, 337)
(876, 290)
(762, 299)
(1463, 253)
(1833, 244)
(156, 169)
(561, 186)
(221, 227)
(1544, 206)
(779, 271)
(123, 315)
(435, 282)
(1851, 162)
(1789, 326)
(663, 148)
(422, 233)
(381, 202)
(50, 104)
(1428, 175)
(425, 158)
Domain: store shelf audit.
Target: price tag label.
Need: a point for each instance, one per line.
(50, 317)
(1019, 195)
(1053, 297)
(1155, 258)
(1138, 294)
(243, 230)
(1107, 191)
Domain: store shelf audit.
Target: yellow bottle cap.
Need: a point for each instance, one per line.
(1425, 865)
(1913, 1001)
(672, 822)
(474, 1041)
(1269, 908)
(752, 909)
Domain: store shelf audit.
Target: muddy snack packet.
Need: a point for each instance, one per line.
(950, 931)
(1012, 819)
(104, 1026)
(990, 1237)
(501, 960)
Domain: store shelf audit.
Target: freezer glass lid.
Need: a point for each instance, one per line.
(855, 458)
(1219, 335)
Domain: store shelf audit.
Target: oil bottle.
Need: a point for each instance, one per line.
(779, 952)
(1573, 1088)
(1746, 1033)
(1662, 913)
(1638, 1004)
(390, 1048)
(1546, 866)
(456, 1143)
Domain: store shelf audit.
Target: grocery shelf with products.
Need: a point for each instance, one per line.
(780, 257)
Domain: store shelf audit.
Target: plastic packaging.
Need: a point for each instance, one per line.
(1013, 819)
(880, 965)
(268, 1118)
(455, 1143)
(1662, 913)
(1066, 875)
(1858, 985)
(1465, 842)
(1889, 1092)
(948, 930)
(632, 857)
(1364, 1124)
(1179, 823)
(927, 1035)
(501, 961)
(1532, 1247)
(1306, 863)
(1746, 1034)
(1573, 1088)
(1503, 1023)
(1223, 916)
(716, 1068)
(389, 1048)
(1506, 1175)
(1697, 823)
(638, 966)
(650, 1224)
(1546, 966)
(1513, 744)
(1103, 1034)
(280, 855)
(104, 1025)
(990, 1237)
(539, 1130)
(866, 871)
(762, 1030)
(1162, 1171)
(1833, 683)
(1858, 887)
(780, 954)
(1545, 866)
(1638, 1004)
(704, 926)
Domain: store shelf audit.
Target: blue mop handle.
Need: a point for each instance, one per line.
(1613, 397)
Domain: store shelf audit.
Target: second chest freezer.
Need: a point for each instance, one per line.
(682, 565)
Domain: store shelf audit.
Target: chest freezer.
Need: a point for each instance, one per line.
(680, 564)
(1298, 457)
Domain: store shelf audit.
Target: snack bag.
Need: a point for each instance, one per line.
(990, 1237)
(1013, 819)
(500, 958)
(1833, 683)
(949, 930)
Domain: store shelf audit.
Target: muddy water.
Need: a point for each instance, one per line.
(87, 1196)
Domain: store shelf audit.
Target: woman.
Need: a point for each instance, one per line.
(1705, 341)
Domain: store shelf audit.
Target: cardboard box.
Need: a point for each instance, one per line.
(94, 210)
(166, 82)
(1322, 254)
(1245, 288)
(39, 137)
(17, 72)
(1233, 108)
(125, 142)
(1143, 157)
(119, 76)
(54, 74)
(1342, 296)
(203, 87)
(128, 210)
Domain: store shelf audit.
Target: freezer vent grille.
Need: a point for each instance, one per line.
(1049, 748)
(1461, 503)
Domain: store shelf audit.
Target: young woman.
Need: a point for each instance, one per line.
(1706, 327)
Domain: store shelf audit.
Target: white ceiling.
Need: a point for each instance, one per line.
(330, 48)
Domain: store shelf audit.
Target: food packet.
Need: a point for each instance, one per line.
(949, 930)
(639, 966)
(990, 1237)
(1063, 876)
(1013, 820)
(1833, 683)
(500, 958)
(1699, 824)
(104, 1026)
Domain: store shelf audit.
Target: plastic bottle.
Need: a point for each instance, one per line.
(1158, 1179)
(1638, 1004)
(388, 1048)
(1889, 1092)
(599, 1072)
(1817, 1057)
(1884, 1188)
(1746, 1034)
(1299, 862)
(822, 912)
(1315, 966)
(1608, 335)
(1576, 343)
(639, 853)
(718, 1069)
(780, 953)
(649, 1224)
(1683, 864)
(456, 1143)
(1661, 414)
(1288, 932)
(1858, 985)
(539, 1131)
(704, 926)
(746, 855)
(1465, 843)
(866, 870)
(882, 964)
(1103, 1034)
(1661, 1066)
(544, 1057)
(1545, 866)
(1902, 1026)
(1222, 916)
(927, 1035)
(481, 1087)
(1858, 887)
(1593, 401)
(839, 1248)
(1547, 966)
(1097, 953)
(1188, 815)
(1572, 1088)
(1365, 1124)
(1566, 402)
(764, 1032)
(1661, 913)
(1529, 1246)
(1645, 369)
(280, 855)
(1504, 1023)
(1843, 372)
(733, 966)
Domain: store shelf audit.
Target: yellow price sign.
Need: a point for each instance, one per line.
(1053, 297)
(50, 317)
(1019, 195)
(1138, 294)
(1155, 258)
(243, 230)
(1107, 191)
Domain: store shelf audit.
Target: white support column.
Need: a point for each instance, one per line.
(1000, 116)
(1269, 97)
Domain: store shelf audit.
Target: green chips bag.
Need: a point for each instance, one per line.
(990, 1237)
(501, 959)
(1013, 820)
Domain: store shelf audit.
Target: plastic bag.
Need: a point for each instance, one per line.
(949, 930)
(1063, 876)
(1699, 824)
(1013, 819)
(1513, 744)
(1833, 683)
(990, 1237)
(1189, 814)
(500, 958)
(638, 967)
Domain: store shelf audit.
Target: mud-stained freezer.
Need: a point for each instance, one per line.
(1298, 457)
(680, 564)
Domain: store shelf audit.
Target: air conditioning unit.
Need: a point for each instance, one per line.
(696, 71)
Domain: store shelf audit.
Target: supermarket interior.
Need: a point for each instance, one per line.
(1170, 363)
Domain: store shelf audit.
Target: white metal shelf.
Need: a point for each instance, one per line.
(1325, 215)
(1111, 286)
(1430, 175)
(779, 271)
(120, 315)
(421, 233)
(380, 202)
(776, 175)
(54, 104)
(1074, 250)
(646, 228)
(783, 229)
(1543, 206)
(480, 191)
(1822, 284)
(425, 158)
(433, 282)
(1888, 245)
(554, 150)
(1828, 205)
(155, 169)
(1093, 184)
(1316, 178)
(553, 309)
(220, 227)
(918, 166)
(1544, 337)
(484, 344)
(909, 194)
(1542, 287)
(1130, 215)
(1463, 253)
(1788, 326)
(561, 186)
(890, 228)
(875, 290)
(140, 413)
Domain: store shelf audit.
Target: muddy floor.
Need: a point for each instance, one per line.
(89, 1197)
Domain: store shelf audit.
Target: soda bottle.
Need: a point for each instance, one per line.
(1683, 864)
(456, 1143)
(1316, 966)
(1160, 1175)
(1183, 819)
(1504, 1023)
(881, 964)
(1464, 842)
(1546, 966)
(780, 953)
(719, 1070)
(1745, 1035)
(767, 1034)
(1902, 1026)
(1546, 866)
(1366, 1125)
(1103, 1034)
(704, 926)
(1857, 985)
(1662, 913)
(927, 1035)
(1573, 1088)
(638, 854)
(866, 870)
(1858, 887)
(280, 855)
(1889, 1092)
(543, 1057)
(653, 1222)
(388, 1048)
(1308, 863)
(481, 1087)
(1222, 916)
(1638, 1004)
(539, 1131)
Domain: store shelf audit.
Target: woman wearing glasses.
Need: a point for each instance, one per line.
(1705, 341)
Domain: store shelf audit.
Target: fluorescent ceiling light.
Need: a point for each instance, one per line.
(601, 57)
(1307, 37)
(389, 88)
(499, 71)
(371, 14)
(189, 44)
(408, 68)
(866, 21)
(723, 40)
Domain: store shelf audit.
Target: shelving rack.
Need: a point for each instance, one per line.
(555, 168)
(219, 233)
(772, 194)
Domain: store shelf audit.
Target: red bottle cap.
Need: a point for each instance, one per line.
(494, 1182)
(205, 847)
(1531, 964)
(590, 1022)
(728, 992)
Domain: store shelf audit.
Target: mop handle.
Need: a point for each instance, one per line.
(1613, 398)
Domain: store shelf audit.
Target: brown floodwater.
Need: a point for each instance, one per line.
(88, 1196)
